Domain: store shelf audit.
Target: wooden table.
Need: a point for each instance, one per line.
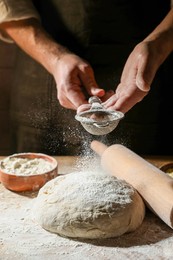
(23, 239)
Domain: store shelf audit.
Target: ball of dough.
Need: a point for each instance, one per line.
(88, 205)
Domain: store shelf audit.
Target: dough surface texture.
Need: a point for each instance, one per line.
(88, 205)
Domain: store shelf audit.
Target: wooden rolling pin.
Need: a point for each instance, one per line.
(155, 187)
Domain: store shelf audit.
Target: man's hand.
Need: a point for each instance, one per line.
(75, 81)
(142, 65)
(136, 79)
(74, 77)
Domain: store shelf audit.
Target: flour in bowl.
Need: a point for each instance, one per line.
(25, 166)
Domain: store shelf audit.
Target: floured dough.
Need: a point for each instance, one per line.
(88, 205)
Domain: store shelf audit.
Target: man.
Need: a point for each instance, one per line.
(84, 45)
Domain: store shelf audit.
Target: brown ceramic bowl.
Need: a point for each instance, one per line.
(168, 168)
(31, 182)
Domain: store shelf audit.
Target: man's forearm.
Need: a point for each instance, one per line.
(163, 35)
(30, 36)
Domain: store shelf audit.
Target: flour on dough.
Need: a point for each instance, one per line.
(88, 205)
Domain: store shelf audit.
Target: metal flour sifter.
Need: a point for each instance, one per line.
(97, 120)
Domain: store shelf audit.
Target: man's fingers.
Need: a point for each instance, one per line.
(110, 102)
(145, 75)
(72, 98)
(83, 107)
(89, 83)
(96, 91)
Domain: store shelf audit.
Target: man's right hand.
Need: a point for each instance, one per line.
(73, 75)
(75, 81)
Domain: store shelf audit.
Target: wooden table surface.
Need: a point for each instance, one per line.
(23, 239)
(65, 163)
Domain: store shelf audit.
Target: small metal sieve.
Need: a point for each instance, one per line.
(97, 120)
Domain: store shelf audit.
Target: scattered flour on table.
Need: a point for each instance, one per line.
(21, 238)
(25, 166)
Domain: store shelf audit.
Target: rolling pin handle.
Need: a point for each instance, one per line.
(154, 186)
(98, 147)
